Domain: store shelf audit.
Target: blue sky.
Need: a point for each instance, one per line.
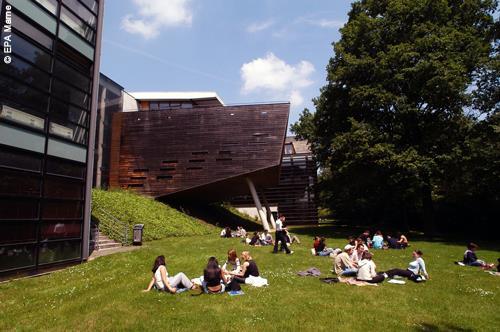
(245, 50)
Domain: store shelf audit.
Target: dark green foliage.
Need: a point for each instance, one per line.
(160, 220)
(407, 125)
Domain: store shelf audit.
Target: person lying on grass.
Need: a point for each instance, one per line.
(249, 268)
(416, 270)
(470, 257)
(344, 266)
(291, 238)
(366, 270)
(163, 282)
(266, 239)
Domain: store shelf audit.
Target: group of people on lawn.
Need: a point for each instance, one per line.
(216, 279)
(355, 260)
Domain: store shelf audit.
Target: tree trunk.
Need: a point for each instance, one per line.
(428, 209)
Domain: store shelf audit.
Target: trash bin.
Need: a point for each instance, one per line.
(138, 229)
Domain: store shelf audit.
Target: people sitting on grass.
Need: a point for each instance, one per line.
(367, 270)
(266, 239)
(232, 263)
(163, 282)
(248, 268)
(357, 254)
(365, 237)
(470, 257)
(290, 238)
(392, 243)
(378, 240)
(255, 240)
(344, 266)
(240, 232)
(322, 249)
(214, 281)
(226, 232)
(403, 241)
(416, 270)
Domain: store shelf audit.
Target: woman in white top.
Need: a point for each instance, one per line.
(416, 270)
(366, 270)
(163, 282)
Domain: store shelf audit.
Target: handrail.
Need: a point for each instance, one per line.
(112, 226)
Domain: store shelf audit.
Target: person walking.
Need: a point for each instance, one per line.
(280, 236)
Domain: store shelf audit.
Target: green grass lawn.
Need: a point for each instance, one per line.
(105, 294)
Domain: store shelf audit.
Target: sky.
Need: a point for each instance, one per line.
(248, 51)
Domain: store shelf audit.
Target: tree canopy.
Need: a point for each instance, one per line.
(407, 128)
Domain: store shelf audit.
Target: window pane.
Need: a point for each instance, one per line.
(27, 119)
(36, 14)
(50, 5)
(30, 31)
(76, 42)
(82, 12)
(19, 159)
(18, 183)
(31, 52)
(21, 138)
(20, 93)
(25, 72)
(18, 208)
(60, 230)
(153, 106)
(55, 187)
(59, 251)
(11, 232)
(66, 150)
(92, 4)
(69, 94)
(64, 167)
(67, 73)
(75, 59)
(69, 112)
(62, 210)
(12, 257)
(68, 130)
(77, 25)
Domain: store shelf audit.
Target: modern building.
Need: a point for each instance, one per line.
(48, 102)
(186, 147)
(295, 195)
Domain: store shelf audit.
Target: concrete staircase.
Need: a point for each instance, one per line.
(105, 243)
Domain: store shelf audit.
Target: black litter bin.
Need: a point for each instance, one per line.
(138, 229)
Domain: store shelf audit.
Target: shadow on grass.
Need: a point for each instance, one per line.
(445, 327)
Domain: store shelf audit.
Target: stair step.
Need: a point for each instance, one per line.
(109, 246)
(106, 241)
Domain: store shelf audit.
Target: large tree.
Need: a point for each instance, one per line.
(405, 90)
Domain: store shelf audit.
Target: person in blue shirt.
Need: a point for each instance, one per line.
(378, 240)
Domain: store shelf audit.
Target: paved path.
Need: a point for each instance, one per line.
(105, 252)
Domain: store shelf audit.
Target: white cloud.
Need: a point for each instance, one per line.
(259, 26)
(153, 15)
(274, 78)
(322, 22)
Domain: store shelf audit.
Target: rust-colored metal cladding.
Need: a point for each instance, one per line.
(199, 153)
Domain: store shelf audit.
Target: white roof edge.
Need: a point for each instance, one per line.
(182, 95)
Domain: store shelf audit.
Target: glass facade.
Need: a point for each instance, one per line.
(45, 131)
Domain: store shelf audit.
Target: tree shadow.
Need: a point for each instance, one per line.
(435, 328)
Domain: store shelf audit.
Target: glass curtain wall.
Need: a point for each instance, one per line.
(45, 112)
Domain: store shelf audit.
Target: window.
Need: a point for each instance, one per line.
(186, 105)
(69, 94)
(91, 4)
(30, 31)
(50, 5)
(21, 138)
(18, 231)
(86, 15)
(62, 210)
(68, 130)
(31, 52)
(77, 25)
(65, 167)
(12, 257)
(18, 183)
(74, 77)
(73, 40)
(19, 93)
(27, 119)
(17, 208)
(18, 159)
(27, 73)
(289, 149)
(66, 150)
(153, 106)
(75, 59)
(60, 230)
(36, 14)
(59, 251)
(69, 112)
(64, 188)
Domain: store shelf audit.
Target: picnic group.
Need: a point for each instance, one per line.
(352, 264)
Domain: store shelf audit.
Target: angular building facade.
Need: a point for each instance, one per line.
(48, 101)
